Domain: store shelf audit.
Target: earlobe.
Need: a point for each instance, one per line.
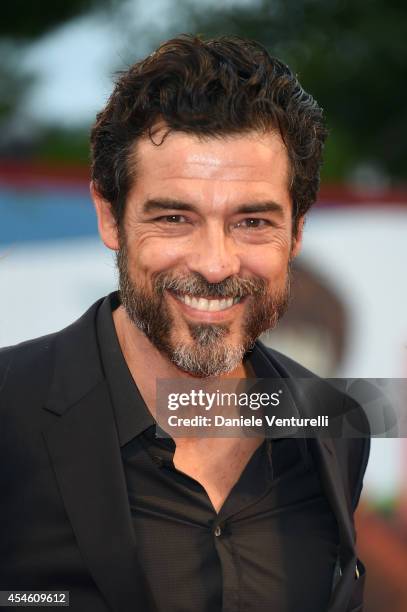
(107, 225)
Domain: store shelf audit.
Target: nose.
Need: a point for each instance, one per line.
(215, 255)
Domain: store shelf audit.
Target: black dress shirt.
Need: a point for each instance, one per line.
(273, 544)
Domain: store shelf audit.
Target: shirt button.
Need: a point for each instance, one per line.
(218, 531)
(158, 460)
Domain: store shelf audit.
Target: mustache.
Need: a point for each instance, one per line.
(197, 286)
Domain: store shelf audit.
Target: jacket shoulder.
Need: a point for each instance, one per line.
(26, 368)
(25, 363)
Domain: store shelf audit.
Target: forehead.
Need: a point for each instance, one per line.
(251, 162)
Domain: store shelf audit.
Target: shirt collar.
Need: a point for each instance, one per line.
(264, 368)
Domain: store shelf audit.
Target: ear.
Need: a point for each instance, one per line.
(106, 221)
(297, 238)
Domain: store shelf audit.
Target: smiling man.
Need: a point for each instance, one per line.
(205, 161)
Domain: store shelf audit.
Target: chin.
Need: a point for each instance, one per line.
(209, 358)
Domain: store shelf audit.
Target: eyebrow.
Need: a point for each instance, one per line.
(157, 204)
(154, 204)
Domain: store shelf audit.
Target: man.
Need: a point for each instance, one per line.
(204, 163)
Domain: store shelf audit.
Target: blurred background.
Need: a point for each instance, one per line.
(348, 315)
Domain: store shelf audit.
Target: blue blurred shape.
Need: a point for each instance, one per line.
(36, 215)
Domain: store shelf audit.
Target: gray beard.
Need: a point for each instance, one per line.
(208, 354)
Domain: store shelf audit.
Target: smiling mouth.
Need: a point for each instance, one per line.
(206, 305)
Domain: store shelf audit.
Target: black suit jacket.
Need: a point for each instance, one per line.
(65, 521)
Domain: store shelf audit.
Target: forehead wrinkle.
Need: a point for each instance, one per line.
(218, 162)
(210, 178)
(221, 170)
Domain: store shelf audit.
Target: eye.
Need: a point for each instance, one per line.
(253, 223)
(174, 219)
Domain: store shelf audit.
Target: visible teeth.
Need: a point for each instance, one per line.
(207, 305)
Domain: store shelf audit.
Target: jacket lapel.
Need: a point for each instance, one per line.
(85, 453)
(332, 482)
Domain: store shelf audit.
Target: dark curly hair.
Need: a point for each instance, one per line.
(221, 86)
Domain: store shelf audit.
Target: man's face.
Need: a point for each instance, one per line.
(205, 246)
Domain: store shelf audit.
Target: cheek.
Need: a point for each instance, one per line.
(151, 255)
(268, 263)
